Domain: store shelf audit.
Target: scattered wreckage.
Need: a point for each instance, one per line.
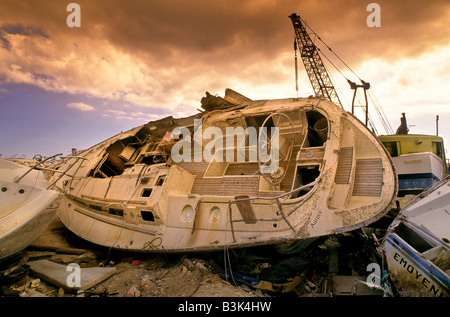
(300, 168)
(416, 246)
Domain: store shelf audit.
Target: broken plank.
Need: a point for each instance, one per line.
(58, 249)
(58, 274)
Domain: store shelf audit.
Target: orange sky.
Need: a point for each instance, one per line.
(154, 58)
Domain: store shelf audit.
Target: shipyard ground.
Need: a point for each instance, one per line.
(312, 269)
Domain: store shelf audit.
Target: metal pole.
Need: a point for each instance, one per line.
(437, 125)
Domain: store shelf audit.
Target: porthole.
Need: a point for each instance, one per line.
(214, 214)
(274, 225)
(21, 191)
(4, 189)
(187, 213)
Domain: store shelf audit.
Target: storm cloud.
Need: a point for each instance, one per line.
(167, 53)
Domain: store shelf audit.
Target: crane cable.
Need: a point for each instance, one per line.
(331, 50)
(386, 125)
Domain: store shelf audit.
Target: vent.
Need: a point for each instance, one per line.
(368, 177)
(344, 166)
(227, 186)
(242, 169)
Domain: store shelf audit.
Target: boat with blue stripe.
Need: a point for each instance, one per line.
(416, 247)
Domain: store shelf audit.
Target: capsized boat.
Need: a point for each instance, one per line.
(26, 205)
(416, 246)
(240, 173)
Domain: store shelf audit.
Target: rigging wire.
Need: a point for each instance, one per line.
(330, 49)
(383, 117)
(370, 120)
(371, 94)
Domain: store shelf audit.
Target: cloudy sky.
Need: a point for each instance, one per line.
(134, 61)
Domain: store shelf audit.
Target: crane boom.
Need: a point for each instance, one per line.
(317, 73)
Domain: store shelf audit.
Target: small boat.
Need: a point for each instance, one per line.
(239, 173)
(416, 247)
(26, 205)
(419, 159)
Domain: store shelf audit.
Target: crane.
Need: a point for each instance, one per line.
(321, 81)
(317, 73)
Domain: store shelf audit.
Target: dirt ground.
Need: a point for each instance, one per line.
(187, 275)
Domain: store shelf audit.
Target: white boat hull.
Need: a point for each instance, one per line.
(346, 183)
(418, 171)
(26, 207)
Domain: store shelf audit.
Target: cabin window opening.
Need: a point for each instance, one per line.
(305, 175)
(153, 159)
(257, 122)
(391, 147)
(147, 216)
(438, 147)
(414, 239)
(317, 128)
(96, 207)
(115, 212)
(146, 192)
(160, 180)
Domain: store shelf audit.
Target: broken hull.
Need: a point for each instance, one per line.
(337, 180)
(412, 273)
(26, 207)
(416, 246)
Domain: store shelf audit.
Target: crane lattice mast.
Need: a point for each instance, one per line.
(317, 73)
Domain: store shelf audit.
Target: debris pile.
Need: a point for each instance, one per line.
(327, 266)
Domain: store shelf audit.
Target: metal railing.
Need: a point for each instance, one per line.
(62, 173)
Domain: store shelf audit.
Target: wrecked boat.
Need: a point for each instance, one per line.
(239, 173)
(419, 159)
(416, 246)
(27, 205)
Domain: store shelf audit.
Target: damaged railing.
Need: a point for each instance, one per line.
(245, 207)
(35, 167)
(62, 173)
(77, 158)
